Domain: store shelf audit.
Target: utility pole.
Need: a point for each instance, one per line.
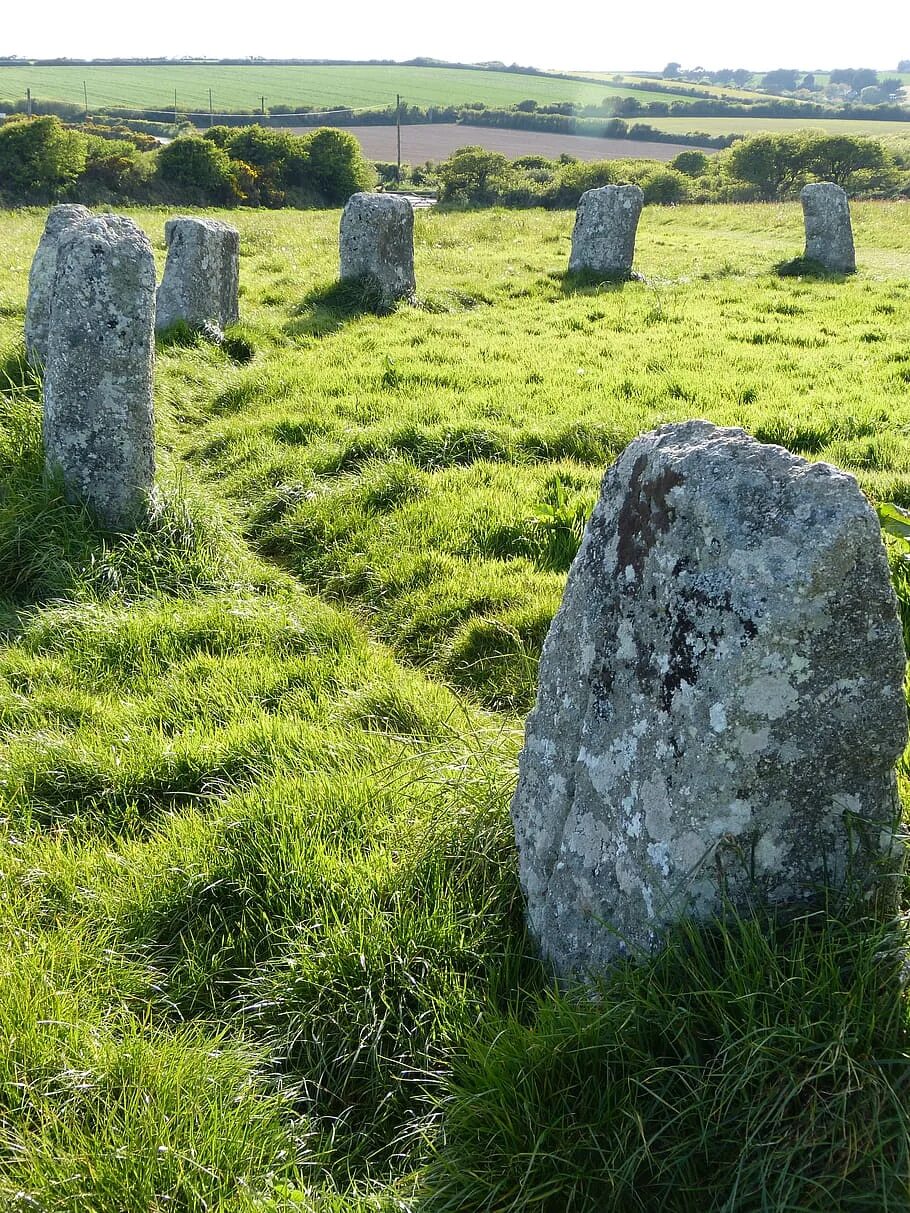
(211, 108)
(398, 131)
(175, 103)
(85, 95)
(263, 106)
(28, 101)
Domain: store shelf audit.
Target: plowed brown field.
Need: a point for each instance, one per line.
(436, 142)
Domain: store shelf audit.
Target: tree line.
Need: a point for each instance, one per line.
(760, 168)
(42, 160)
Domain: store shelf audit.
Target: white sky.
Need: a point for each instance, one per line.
(592, 34)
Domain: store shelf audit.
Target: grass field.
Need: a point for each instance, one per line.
(242, 87)
(262, 944)
(748, 126)
(682, 86)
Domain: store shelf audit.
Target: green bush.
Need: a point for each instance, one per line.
(199, 169)
(113, 166)
(693, 164)
(39, 158)
(473, 175)
(573, 179)
(335, 166)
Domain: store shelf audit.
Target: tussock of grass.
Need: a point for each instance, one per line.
(743, 1069)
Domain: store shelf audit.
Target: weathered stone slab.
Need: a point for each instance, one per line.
(829, 234)
(201, 274)
(98, 416)
(377, 244)
(721, 699)
(603, 240)
(41, 278)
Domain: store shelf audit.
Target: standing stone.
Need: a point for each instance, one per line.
(377, 245)
(41, 278)
(98, 418)
(201, 275)
(721, 699)
(829, 236)
(603, 240)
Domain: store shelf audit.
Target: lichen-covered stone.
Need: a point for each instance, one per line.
(41, 278)
(829, 234)
(720, 703)
(98, 417)
(377, 245)
(201, 274)
(603, 240)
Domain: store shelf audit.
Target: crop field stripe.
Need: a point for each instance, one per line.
(241, 86)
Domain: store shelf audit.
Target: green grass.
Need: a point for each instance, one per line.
(262, 942)
(241, 86)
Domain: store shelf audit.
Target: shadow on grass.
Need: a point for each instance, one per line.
(328, 308)
(235, 342)
(806, 267)
(592, 282)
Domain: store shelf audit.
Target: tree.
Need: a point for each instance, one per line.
(841, 158)
(693, 164)
(904, 65)
(39, 158)
(472, 174)
(198, 167)
(856, 77)
(782, 80)
(335, 165)
(772, 163)
(672, 69)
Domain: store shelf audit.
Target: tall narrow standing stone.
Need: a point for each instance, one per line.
(377, 244)
(829, 235)
(41, 278)
(98, 416)
(201, 274)
(721, 699)
(603, 240)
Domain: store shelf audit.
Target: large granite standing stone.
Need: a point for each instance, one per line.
(41, 278)
(829, 235)
(721, 699)
(98, 416)
(201, 274)
(377, 245)
(603, 240)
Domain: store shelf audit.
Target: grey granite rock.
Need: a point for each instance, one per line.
(377, 245)
(603, 240)
(829, 234)
(41, 278)
(201, 275)
(98, 415)
(721, 699)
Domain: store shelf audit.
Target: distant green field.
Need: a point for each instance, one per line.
(242, 86)
(684, 88)
(747, 126)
